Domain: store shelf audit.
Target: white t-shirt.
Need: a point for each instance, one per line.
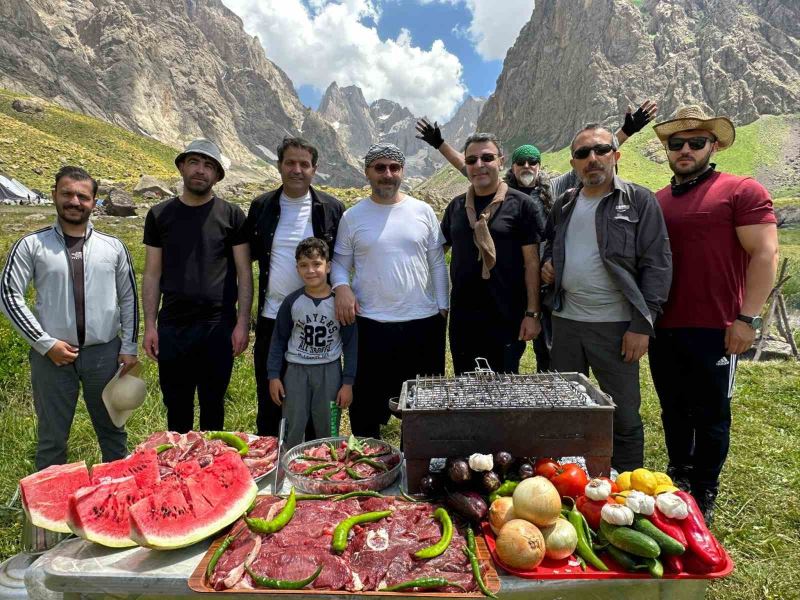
(293, 227)
(398, 256)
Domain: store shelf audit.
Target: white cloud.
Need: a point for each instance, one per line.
(331, 42)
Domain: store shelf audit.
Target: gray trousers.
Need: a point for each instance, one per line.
(310, 389)
(55, 396)
(577, 346)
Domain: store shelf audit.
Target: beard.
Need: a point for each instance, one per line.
(386, 190)
(526, 178)
(595, 177)
(75, 217)
(695, 167)
(197, 188)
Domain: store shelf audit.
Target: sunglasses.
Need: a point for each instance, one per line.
(382, 168)
(485, 158)
(521, 162)
(695, 143)
(585, 151)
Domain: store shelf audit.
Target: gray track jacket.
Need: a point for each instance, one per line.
(111, 304)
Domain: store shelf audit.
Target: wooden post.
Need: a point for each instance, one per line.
(777, 308)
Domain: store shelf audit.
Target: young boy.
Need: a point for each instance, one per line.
(312, 341)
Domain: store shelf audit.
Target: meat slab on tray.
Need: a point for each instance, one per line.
(378, 554)
(175, 448)
(342, 463)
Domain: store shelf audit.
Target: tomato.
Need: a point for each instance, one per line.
(614, 487)
(570, 480)
(590, 509)
(546, 467)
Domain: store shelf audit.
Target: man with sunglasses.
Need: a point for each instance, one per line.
(608, 258)
(724, 242)
(399, 292)
(494, 232)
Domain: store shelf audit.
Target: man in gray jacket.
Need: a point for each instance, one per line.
(85, 322)
(608, 256)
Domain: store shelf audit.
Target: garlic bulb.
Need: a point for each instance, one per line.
(597, 489)
(617, 514)
(481, 462)
(640, 503)
(672, 506)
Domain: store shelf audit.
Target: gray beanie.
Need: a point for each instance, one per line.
(390, 151)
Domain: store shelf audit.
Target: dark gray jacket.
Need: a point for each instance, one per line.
(634, 247)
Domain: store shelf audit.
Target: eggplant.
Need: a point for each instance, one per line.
(458, 471)
(429, 484)
(526, 470)
(469, 505)
(503, 461)
(490, 481)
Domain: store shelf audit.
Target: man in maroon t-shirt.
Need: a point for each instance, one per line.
(724, 243)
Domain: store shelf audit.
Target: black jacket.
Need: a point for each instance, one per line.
(262, 220)
(634, 247)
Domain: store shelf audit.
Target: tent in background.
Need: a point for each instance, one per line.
(15, 192)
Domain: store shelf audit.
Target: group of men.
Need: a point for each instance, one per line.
(682, 274)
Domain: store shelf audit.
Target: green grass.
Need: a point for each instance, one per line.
(758, 520)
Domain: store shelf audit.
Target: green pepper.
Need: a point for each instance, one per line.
(506, 489)
(164, 448)
(283, 584)
(423, 583)
(476, 572)
(352, 473)
(279, 522)
(234, 441)
(313, 497)
(314, 468)
(408, 498)
(328, 475)
(221, 550)
(308, 458)
(358, 494)
(471, 541)
(332, 452)
(375, 464)
(444, 542)
(340, 533)
(584, 547)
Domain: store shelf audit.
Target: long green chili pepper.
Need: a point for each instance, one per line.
(444, 542)
(476, 572)
(408, 498)
(328, 475)
(358, 494)
(221, 550)
(163, 448)
(471, 541)
(423, 583)
(308, 458)
(232, 440)
(313, 497)
(283, 584)
(280, 520)
(375, 464)
(352, 473)
(319, 467)
(584, 547)
(332, 452)
(339, 542)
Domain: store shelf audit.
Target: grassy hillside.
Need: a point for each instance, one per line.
(34, 146)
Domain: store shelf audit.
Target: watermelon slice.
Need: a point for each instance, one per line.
(142, 465)
(45, 494)
(99, 513)
(179, 513)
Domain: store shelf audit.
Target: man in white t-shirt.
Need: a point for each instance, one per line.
(276, 223)
(399, 291)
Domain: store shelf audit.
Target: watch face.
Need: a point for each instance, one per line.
(756, 324)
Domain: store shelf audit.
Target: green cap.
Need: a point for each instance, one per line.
(526, 151)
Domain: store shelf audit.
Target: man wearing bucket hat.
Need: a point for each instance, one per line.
(86, 320)
(399, 294)
(198, 262)
(723, 235)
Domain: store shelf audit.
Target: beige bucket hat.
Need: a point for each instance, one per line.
(123, 395)
(693, 117)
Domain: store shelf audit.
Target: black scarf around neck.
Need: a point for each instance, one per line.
(678, 189)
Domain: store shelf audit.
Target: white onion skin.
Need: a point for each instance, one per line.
(538, 501)
(560, 539)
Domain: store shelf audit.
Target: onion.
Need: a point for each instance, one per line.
(501, 512)
(520, 545)
(538, 501)
(560, 539)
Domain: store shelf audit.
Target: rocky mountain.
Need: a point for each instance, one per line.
(587, 60)
(171, 69)
(349, 114)
(464, 122)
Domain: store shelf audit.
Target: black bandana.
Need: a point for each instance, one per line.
(678, 189)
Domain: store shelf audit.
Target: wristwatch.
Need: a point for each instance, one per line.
(754, 322)
(533, 315)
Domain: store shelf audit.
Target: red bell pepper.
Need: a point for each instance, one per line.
(700, 540)
(590, 509)
(672, 563)
(669, 526)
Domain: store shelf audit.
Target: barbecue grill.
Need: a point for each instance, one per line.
(541, 414)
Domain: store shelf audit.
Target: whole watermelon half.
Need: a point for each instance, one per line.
(178, 512)
(45, 494)
(99, 513)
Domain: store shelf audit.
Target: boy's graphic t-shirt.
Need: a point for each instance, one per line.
(307, 333)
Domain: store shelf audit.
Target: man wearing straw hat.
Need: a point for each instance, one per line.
(85, 322)
(724, 243)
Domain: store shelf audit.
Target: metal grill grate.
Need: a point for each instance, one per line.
(483, 388)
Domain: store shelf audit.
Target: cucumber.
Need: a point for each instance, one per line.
(622, 558)
(667, 543)
(654, 567)
(630, 540)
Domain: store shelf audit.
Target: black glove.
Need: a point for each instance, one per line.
(636, 121)
(430, 134)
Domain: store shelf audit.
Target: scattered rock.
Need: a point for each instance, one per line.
(35, 217)
(29, 106)
(119, 204)
(38, 170)
(654, 150)
(148, 183)
(104, 186)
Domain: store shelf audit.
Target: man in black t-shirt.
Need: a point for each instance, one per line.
(494, 232)
(198, 259)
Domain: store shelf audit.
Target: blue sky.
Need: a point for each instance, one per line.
(427, 55)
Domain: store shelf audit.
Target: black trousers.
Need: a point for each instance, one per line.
(268, 417)
(694, 380)
(196, 357)
(388, 355)
(475, 333)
